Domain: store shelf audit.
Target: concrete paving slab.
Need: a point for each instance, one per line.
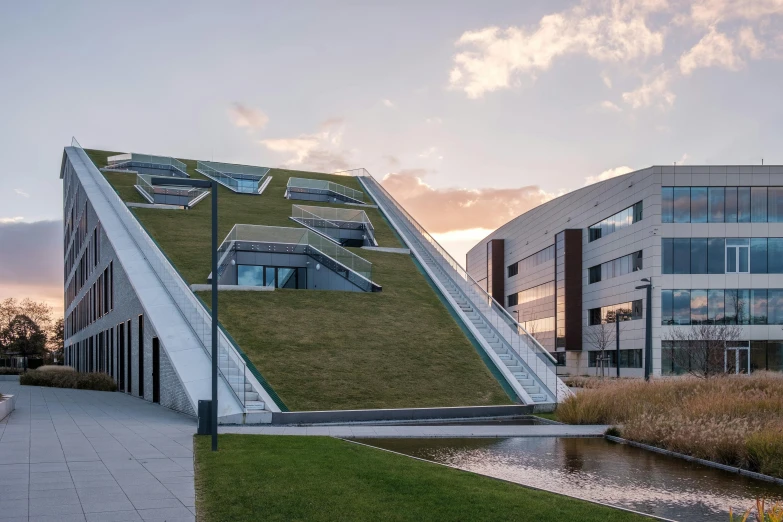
(98, 456)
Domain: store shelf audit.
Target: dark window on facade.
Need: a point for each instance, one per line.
(513, 299)
(699, 307)
(758, 204)
(141, 356)
(513, 269)
(681, 306)
(628, 358)
(716, 309)
(743, 204)
(716, 247)
(731, 204)
(698, 255)
(758, 255)
(594, 274)
(667, 204)
(775, 204)
(699, 205)
(682, 255)
(758, 300)
(682, 204)
(628, 311)
(717, 205)
(775, 255)
(615, 222)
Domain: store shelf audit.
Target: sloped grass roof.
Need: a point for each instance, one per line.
(324, 350)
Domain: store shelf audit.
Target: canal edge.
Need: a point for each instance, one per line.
(717, 465)
(627, 510)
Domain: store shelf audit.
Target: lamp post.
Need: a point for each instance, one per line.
(617, 316)
(212, 185)
(648, 328)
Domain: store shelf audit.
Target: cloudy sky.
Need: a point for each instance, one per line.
(471, 112)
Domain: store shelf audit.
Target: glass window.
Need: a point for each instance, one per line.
(512, 299)
(717, 204)
(758, 355)
(775, 356)
(775, 204)
(743, 306)
(667, 204)
(636, 309)
(637, 260)
(594, 316)
(248, 275)
(667, 310)
(667, 247)
(716, 307)
(731, 205)
(737, 253)
(513, 269)
(698, 307)
(681, 305)
(638, 212)
(775, 307)
(758, 255)
(758, 204)
(730, 306)
(717, 255)
(682, 255)
(698, 204)
(269, 274)
(682, 204)
(775, 255)
(758, 300)
(743, 204)
(698, 255)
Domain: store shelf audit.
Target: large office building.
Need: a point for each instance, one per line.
(709, 237)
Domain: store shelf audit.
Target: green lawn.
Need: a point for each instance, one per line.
(401, 347)
(255, 477)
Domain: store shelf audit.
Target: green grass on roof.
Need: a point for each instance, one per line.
(322, 349)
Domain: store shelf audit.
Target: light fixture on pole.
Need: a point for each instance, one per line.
(212, 185)
(648, 329)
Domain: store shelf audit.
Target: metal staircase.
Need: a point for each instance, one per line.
(527, 367)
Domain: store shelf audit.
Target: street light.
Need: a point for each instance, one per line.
(648, 333)
(212, 185)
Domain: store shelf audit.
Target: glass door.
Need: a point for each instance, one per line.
(737, 254)
(737, 359)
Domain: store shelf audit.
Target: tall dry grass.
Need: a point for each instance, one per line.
(735, 420)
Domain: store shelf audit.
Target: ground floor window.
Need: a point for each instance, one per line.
(274, 276)
(738, 357)
(628, 358)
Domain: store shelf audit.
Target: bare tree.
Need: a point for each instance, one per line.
(601, 337)
(700, 349)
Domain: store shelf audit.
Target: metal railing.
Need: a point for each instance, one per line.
(230, 363)
(146, 160)
(297, 240)
(239, 178)
(190, 194)
(322, 219)
(320, 186)
(529, 350)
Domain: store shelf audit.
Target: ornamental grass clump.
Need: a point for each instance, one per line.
(66, 379)
(734, 420)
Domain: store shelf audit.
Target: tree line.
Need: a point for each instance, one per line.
(29, 329)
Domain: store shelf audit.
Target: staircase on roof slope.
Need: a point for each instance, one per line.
(524, 363)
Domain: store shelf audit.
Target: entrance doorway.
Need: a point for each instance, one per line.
(155, 370)
(737, 358)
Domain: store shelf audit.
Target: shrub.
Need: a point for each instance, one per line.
(55, 368)
(734, 420)
(10, 371)
(67, 379)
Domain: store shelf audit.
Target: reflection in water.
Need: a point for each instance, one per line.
(598, 470)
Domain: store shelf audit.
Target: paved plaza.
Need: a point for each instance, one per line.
(68, 455)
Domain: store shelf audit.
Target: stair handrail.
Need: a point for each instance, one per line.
(530, 342)
(165, 271)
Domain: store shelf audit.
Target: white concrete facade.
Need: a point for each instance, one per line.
(535, 230)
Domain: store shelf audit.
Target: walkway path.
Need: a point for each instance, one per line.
(554, 430)
(83, 455)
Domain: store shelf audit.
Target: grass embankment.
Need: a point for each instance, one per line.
(734, 420)
(324, 349)
(319, 478)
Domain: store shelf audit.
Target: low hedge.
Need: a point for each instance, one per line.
(10, 371)
(79, 381)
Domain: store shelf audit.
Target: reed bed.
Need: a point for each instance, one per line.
(734, 420)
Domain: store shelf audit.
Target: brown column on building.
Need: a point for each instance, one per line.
(496, 270)
(573, 289)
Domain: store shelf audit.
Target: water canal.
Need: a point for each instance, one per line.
(598, 470)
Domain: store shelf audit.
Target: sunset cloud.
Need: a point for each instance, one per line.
(608, 174)
(38, 274)
(442, 210)
(320, 151)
